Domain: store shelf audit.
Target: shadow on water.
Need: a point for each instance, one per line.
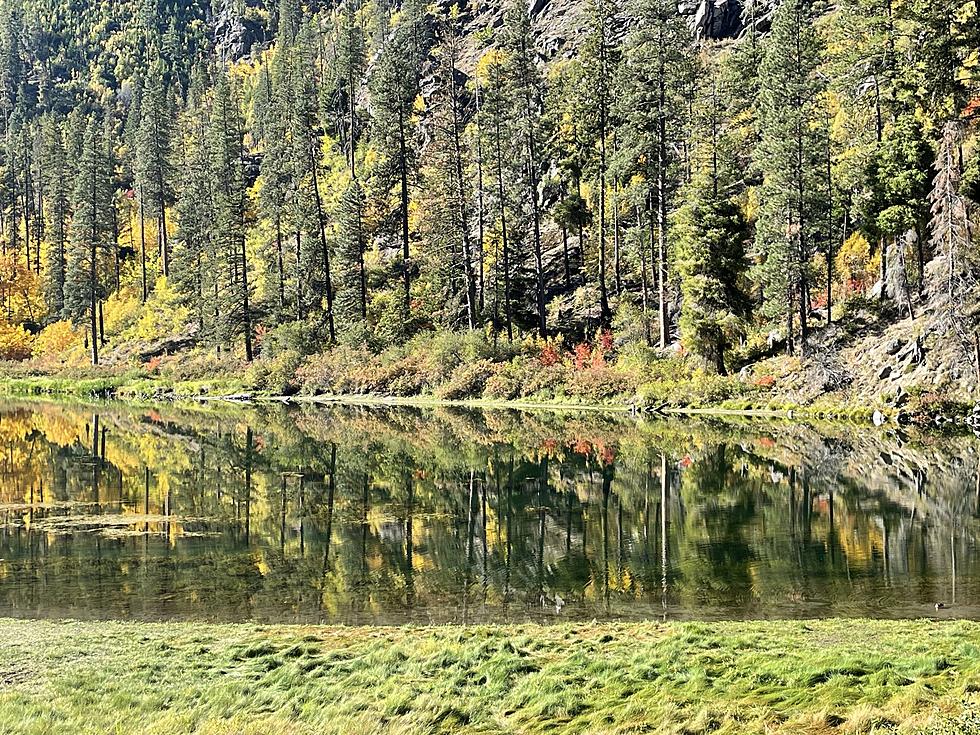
(383, 515)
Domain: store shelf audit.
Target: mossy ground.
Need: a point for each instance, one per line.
(845, 676)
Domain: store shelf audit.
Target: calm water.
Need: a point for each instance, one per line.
(379, 515)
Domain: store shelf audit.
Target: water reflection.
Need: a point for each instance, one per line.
(363, 515)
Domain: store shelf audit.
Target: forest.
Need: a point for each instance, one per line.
(368, 178)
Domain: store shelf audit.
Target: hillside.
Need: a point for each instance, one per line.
(603, 201)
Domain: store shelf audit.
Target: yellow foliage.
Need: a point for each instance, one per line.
(120, 311)
(21, 289)
(55, 340)
(750, 208)
(15, 342)
(161, 316)
(854, 262)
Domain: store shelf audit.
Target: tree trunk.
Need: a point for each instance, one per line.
(281, 266)
(325, 252)
(406, 254)
(467, 254)
(503, 230)
(143, 246)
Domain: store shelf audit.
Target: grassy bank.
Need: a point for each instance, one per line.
(764, 677)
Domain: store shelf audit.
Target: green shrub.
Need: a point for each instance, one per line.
(699, 390)
(599, 383)
(276, 375)
(965, 722)
(467, 381)
(505, 383)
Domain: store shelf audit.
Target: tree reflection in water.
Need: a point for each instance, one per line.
(383, 515)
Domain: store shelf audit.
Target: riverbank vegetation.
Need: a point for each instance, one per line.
(297, 198)
(819, 677)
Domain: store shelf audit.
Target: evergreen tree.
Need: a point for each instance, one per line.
(653, 107)
(89, 235)
(394, 87)
(503, 152)
(351, 63)
(352, 274)
(792, 124)
(154, 156)
(446, 192)
(529, 93)
(230, 203)
(599, 58)
(58, 194)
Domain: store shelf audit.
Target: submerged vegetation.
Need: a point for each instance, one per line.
(774, 678)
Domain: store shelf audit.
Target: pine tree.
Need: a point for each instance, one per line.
(198, 273)
(154, 168)
(529, 94)
(502, 145)
(656, 69)
(394, 86)
(567, 106)
(449, 255)
(230, 202)
(710, 232)
(600, 57)
(57, 191)
(351, 62)
(789, 157)
(89, 234)
(352, 274)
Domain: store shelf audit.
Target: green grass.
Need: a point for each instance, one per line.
(760, 677)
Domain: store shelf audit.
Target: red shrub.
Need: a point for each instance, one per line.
(549, 355)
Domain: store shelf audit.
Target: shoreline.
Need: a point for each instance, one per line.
(817, 676)
(118, 388)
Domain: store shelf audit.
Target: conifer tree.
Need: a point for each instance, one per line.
(352, 274)
(658, 59)
(529, 96)
(789, 157)
(600, 57)
(711, 233)
(230, 202)
(154, 168)
(446, 190)
(89, 235)
(58, 194)
(394, 87)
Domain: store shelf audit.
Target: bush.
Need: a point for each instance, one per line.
(699, 390)
(467, 381)
(55, 341)
(290, 337)
(599, 383)
(965, 722)
(276, 375)
(505, 384)
(16, 343)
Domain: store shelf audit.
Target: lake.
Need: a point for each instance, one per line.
(382, 515)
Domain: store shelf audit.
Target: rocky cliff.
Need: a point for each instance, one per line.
(242, 28)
